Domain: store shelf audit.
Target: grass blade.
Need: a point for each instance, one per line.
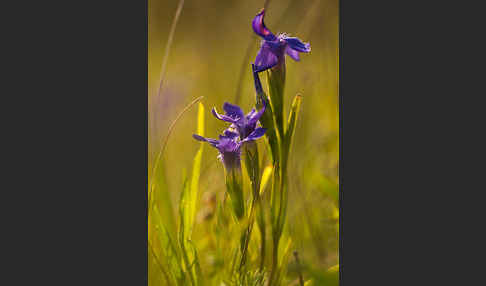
(267, 172)
(192, 195)
(162, 148)
(168, 45)
(294, 113)
(187, 209)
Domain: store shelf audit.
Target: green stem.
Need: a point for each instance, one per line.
(235, 191)
(262, 232)
(253, 169)
(248, 234)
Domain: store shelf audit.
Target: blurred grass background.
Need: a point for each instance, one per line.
(208, 50)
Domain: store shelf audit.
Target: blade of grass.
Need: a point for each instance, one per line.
(283, 261)
(159, 264)
(182, 229)
(169, 132)
(189, 201)
(267, 172)
(187, 209)
(292, 121)
(168, 251)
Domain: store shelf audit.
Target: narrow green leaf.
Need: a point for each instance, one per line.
(276, 86)
(184, 229)
(163, 200)
(190, 195)
(265, 177)
(200, 119)
(284, 259)
(188, 207)
(267, 120)
(165, 249)
(234, 187)
(294, 113)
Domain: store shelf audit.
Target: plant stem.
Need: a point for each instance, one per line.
(263, 234)
(248, 233)
(299, 270)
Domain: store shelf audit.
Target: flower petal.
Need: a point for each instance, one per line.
(298, 45)
(233, 111)
(259, 27)
(265, 59)
(250, 114)
(253, 118)
(259, 132)
(213, 142)
(227, 144)
(222, 116)
(230, 134)
(292, 53)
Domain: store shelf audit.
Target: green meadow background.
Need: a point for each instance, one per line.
(213, 40)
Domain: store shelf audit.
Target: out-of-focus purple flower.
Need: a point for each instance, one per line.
(245, 125)
(229, 146)
(274, 48)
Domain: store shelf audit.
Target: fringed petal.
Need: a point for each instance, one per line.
(292, 53)
(213, 142)
(259, 132)
(222, 116)
(255, 116)
(233, 111)
(298, 45)
(230, 134)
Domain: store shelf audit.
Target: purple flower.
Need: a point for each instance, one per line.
(245, 125)
(229, 146)
(274, 48)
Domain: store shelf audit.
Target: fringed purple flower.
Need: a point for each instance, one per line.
(245, 125)
(243, 129)
(274, 48)
(229, 146)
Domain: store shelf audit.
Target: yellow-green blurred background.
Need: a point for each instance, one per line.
(208, 50)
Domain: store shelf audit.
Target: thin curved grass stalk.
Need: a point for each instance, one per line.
(163, 146)
(168, 45)
(166, 56)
